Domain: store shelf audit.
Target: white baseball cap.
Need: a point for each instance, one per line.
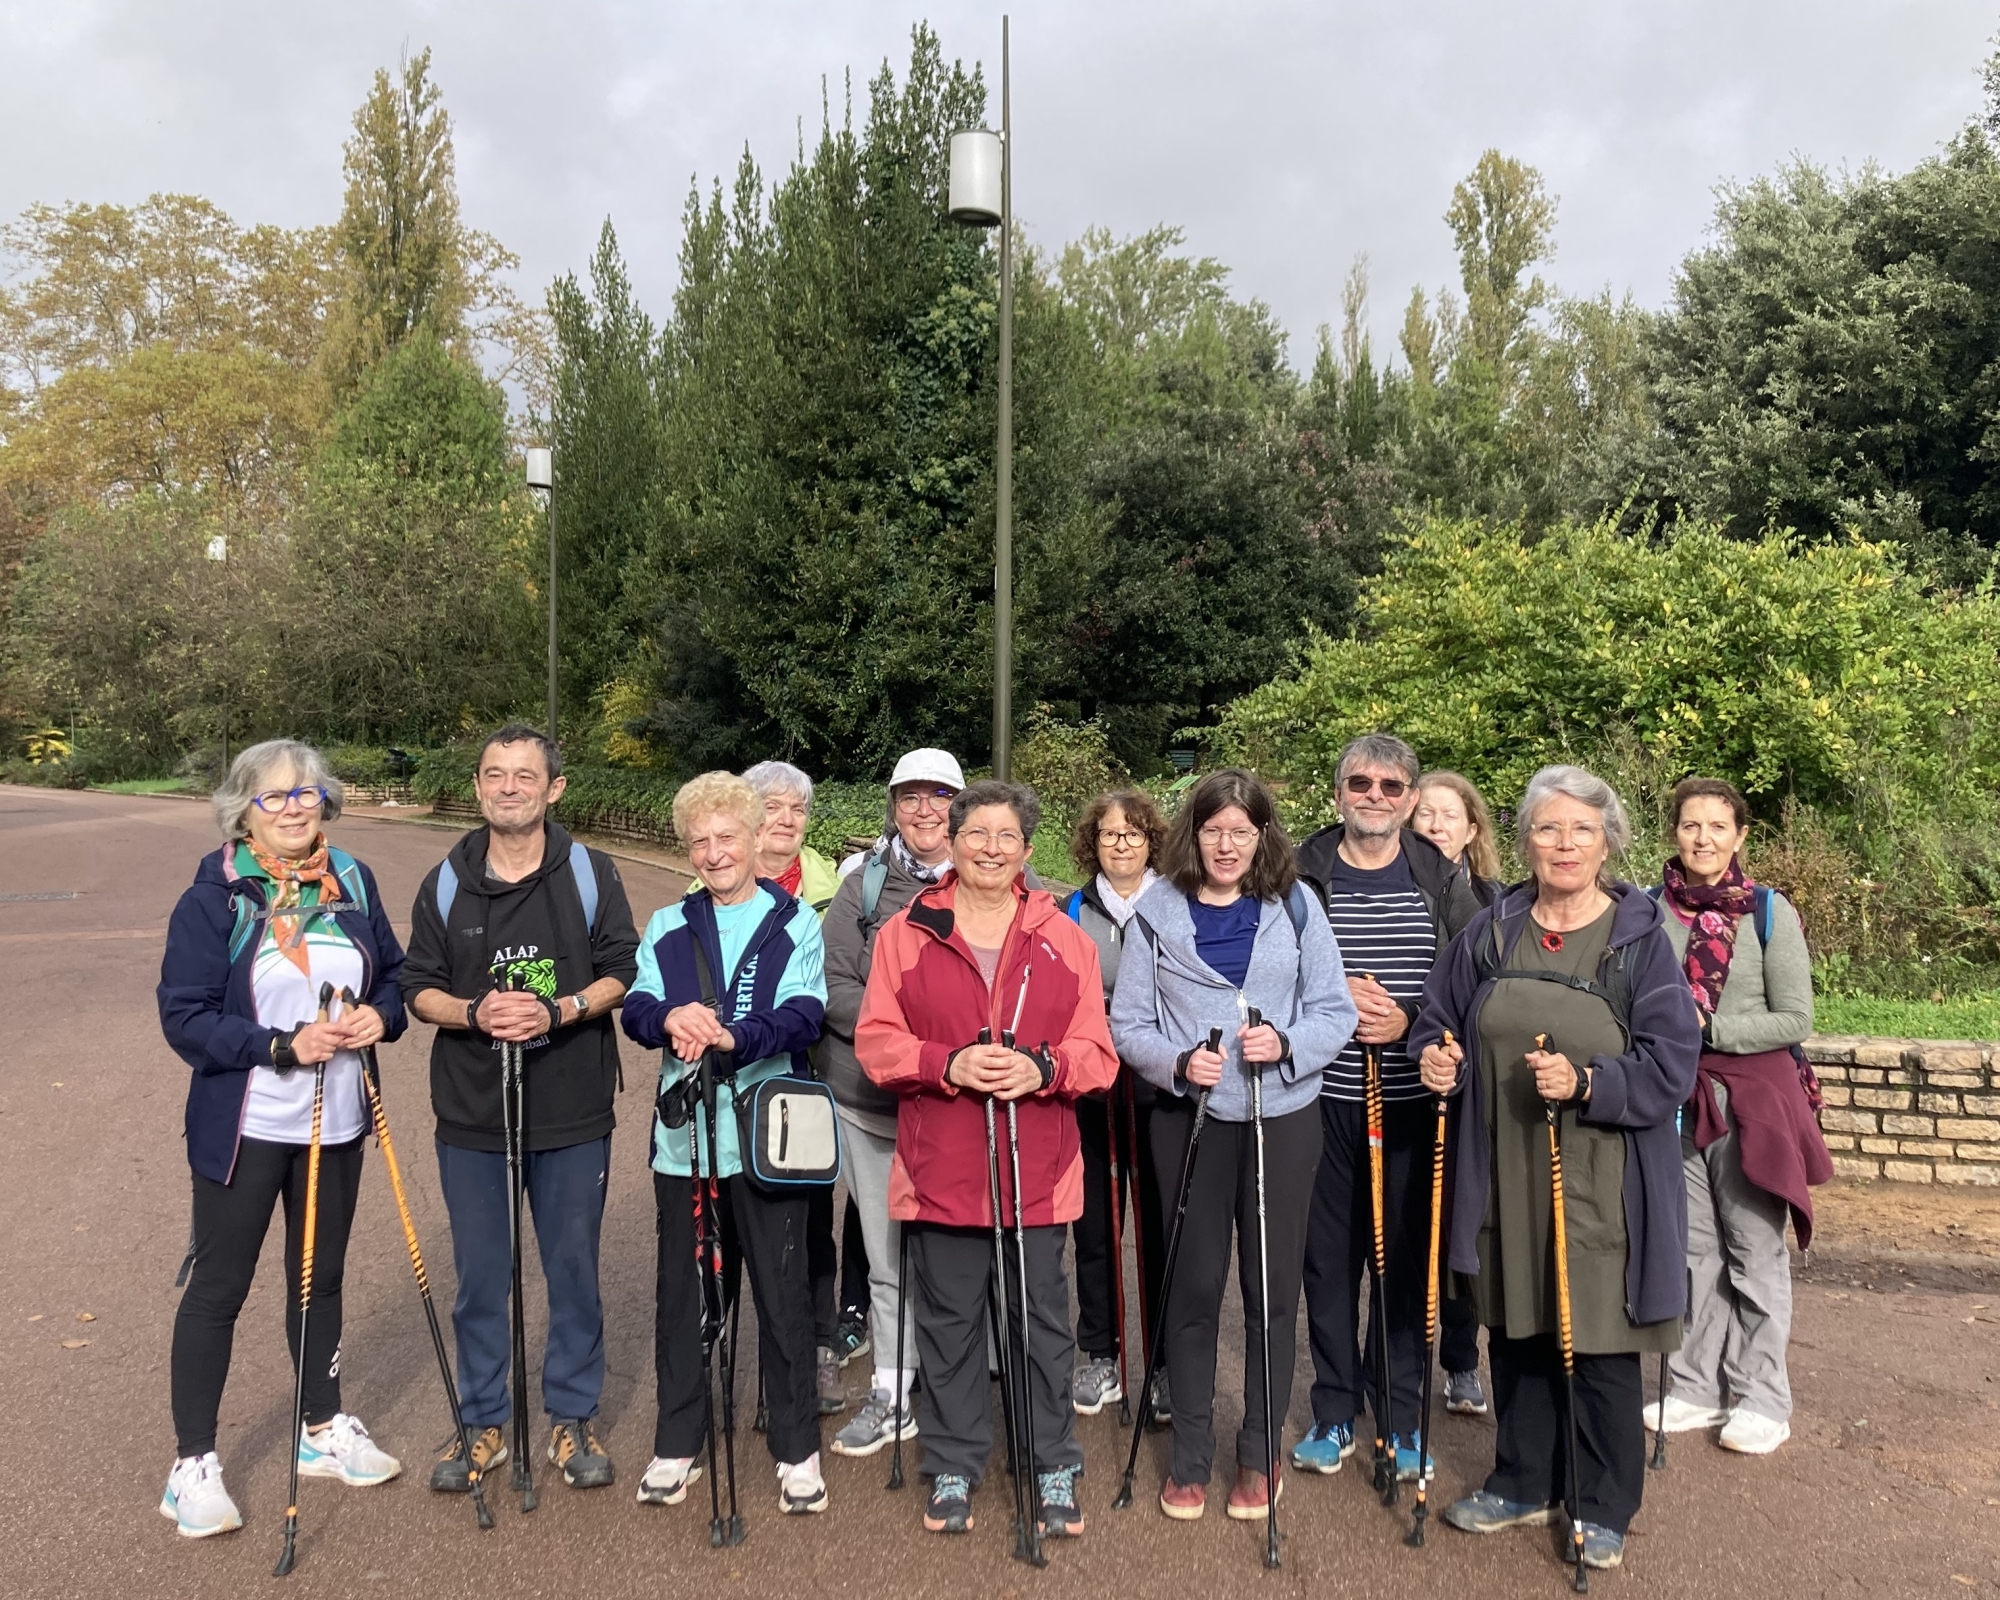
(928, 766)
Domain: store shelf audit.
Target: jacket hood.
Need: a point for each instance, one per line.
(1637, 913)
(931, 908)
(468, 859)
(1428, 865)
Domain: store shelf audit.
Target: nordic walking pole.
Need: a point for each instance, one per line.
(1560, 1226)
(708, 1280)
(1659, 1461)
(371, 1078)
(513, 1110)
(1002, 1339)
(1030, 1535)
(1123, 1499)
(1415, 1538)
(1116, 1196)
(731, 1533)
(1134, 1185)
(1253, 1019)
(288, 1557)
(902, 1397)
(1385, 1462)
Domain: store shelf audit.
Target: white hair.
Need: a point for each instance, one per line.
(779, 777)
(251, 773)
(1586, 788)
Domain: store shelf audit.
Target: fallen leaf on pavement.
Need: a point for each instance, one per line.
(86, 1316)
(74, 1344)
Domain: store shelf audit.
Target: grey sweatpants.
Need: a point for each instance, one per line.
(868, 1160)
(1740, 1287)
(950, 1269)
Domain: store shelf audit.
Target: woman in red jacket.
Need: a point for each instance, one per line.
(981, 952)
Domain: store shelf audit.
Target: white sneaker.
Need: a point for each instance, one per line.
(665, 1481)
(195, 1501)
(1753, 1435)
(1683, 1417)
(800, 1486)
(343, 1450)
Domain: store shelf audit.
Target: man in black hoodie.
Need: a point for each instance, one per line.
(519, 899)
(1394, 902)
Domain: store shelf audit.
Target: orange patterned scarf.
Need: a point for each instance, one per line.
(288, 881)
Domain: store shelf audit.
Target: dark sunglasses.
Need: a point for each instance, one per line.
(1392, 788)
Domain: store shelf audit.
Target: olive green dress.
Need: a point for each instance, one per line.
(1515, 1292)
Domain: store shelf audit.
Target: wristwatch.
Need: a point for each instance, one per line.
(582, 1006)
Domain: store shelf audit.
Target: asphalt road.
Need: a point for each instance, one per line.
(1890, 1486)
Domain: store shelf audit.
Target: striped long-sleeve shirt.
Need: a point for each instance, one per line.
(1384, 929)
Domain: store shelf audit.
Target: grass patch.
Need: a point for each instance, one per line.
(1970, 1016)
(146, 786)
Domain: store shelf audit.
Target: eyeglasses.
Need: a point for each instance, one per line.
(1392, 788)
(1132, 838)
(310, 796)
(1240, 838)
(932, 799)
(1550, 834)
(1006, 841)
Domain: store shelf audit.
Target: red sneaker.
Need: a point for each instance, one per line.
(1184, 1502)
(1250, 1500)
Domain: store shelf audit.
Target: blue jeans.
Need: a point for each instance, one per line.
(565, 1192)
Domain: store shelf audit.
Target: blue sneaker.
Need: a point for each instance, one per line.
(1406, 1459)
(1602, 1548)
(1488, 1513)
(1323, 1449)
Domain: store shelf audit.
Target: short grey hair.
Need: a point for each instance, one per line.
(1023, 801)
(1378, 750)
(779, 777)
(1586, 788)
(251, 773)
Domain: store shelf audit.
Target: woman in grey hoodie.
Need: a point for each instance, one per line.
(1227, 943)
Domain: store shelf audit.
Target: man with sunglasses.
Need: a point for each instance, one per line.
(913, 853)
(1394, 902)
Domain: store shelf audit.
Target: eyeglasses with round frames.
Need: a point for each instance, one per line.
(1550, 834)
(1215, 838)
(310, 797)
(1006, 841)
(925, 799)
(1111, 838)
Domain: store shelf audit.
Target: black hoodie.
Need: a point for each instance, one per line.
(535, 929)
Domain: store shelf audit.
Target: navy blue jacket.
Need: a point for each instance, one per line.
(209, 1015)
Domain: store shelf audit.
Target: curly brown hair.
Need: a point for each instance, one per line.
(1140, 813)
(1273, 870)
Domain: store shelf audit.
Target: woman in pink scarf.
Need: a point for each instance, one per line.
(1751, 1145)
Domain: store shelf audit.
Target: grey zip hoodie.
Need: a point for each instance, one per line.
(1168, 998)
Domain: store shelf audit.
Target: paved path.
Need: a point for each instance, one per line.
(1891, 1484)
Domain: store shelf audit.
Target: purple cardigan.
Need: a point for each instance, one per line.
(1638, 1093)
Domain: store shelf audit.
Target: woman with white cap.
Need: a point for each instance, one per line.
(913, 853)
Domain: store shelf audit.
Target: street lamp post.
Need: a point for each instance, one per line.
(542, 478)
(982, 196)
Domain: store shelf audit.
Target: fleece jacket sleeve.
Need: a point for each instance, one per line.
(1646, 1086)
(644, 1014)
(792, 1024)
(889, 1051)
(1783, 1013)
(386, 996)
(845, 959)
(427, 963)
(1326, 1011)
(614, 943)
(1135, 1011)
(194, 985)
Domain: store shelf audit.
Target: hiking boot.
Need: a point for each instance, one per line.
(832, 1394)
(801, 1489)
(1184, 1502)
(850, 1338)
(574, 1448)
(1602, 1548)
(1163, 1400)
(343, 1450)
(1683, 1416)
(1095, 1385)
(1488, 1513)
(1752, 1435)
(1463, 1395)
(489, 1450)
(665, 1480)
(1323, 1449)
(874, 1425)
(195, 1501)
(949, 1509)
(1250, 1500)
(1060, 1517)
(1405, 1455)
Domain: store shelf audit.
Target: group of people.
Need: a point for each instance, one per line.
(1231, 1044)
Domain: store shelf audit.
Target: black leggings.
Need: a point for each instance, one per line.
(230, 1221)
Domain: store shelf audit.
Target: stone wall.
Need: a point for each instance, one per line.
(1911, 1110)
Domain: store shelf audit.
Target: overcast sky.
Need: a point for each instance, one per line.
(1282, 136)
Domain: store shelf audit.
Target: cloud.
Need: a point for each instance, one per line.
(1284, 137)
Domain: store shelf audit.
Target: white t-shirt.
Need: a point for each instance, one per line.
(279, 1108)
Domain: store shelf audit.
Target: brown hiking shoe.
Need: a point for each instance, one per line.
(573, 1447)
(489, 1450)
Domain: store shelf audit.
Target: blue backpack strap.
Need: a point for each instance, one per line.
(447, 891)
(874, 874)
(348, 870)
(1295, 902)
(1074, 908)
(1766, 914)
(584, 870)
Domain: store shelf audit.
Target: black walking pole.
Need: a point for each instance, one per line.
(1030, 1537)
(902, 1396)
(513, 1111)
(708, 1280)
(1415, 1538)
(1659, 1461)
(1253, 1020)
(287, 1558)
(371, 1077)
(1002, 1339)
(730, 1533)
(1560, 1227)
(1123, 1498)
(1116, 1194)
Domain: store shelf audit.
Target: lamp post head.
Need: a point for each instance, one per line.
(974, 196)
(541, 469)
